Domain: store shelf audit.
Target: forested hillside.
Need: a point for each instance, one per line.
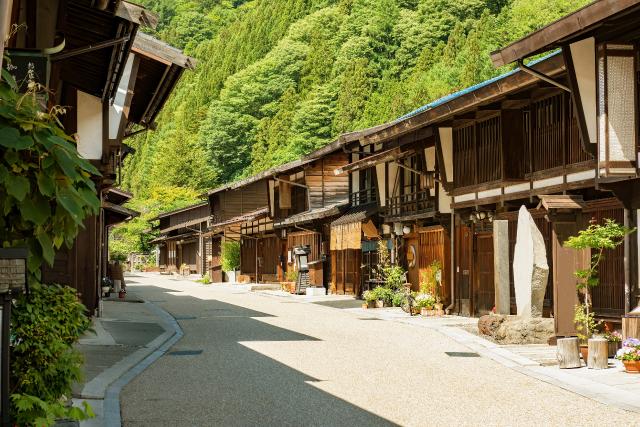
(278, 78)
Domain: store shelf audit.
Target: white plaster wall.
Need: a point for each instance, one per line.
(89, 126)
(446, 142)
(116, 110)
(380, 174)
(583, 54)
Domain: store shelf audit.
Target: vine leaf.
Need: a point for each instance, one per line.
(17, 186)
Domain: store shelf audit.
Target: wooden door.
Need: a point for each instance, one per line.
(413, 266)
(484, 290)
(215, 265)
(463, 254)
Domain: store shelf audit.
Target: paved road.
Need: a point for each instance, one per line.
(249, 359)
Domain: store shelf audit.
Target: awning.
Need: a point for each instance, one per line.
(564, 30)
(356, 214)
(248, 217)
(310, 215)
(115, 214)
(185, 224)
(369, 161)
(561, 202)
(183, 236)
(346, 231)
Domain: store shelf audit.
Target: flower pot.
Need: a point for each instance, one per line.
(424, 311)
(614, 346)
(122, 294)
(379, 303)
(365, 305)
(631, 366)
(105, 290)
(584, 351)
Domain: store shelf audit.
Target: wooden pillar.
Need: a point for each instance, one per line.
(5, 23)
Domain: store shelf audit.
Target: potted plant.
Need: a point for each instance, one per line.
(630, 355)
(291, 278)
(425, 303)
(107, 283)
(596, 238)
(369, 299)
(383, 296)
(614, 339)
(231, 259)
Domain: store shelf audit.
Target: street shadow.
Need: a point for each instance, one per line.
(341, 304)
(211, 377)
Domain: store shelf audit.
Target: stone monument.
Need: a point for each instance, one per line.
(530, 268)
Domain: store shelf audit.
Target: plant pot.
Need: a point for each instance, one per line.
(122, 294)
(438, 306)
(379, 303)
(439, 312)
(584, 351)
(105, 290)
(424, 311)
(631, 366)
(614, 346)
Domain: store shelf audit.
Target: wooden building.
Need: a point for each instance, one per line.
(238, 213)
(599, 45)
(181, 241)
(99, 76)
(396, 182)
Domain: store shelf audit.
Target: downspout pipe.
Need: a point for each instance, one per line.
(453, 271)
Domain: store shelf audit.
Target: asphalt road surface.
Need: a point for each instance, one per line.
(250, 359)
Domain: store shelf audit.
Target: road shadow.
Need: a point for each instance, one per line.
(342, 304)
(211, 377)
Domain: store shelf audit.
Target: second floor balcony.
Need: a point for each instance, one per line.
(363, 197)
(419, 204)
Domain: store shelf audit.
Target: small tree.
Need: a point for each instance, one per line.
(230, 256)
(597, 238)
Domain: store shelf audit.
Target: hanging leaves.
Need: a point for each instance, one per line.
(45, 186)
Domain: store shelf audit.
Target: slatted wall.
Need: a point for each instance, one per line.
(489, 136)
(608, 296)
(464, 162)
(325, 187)
(306, 238)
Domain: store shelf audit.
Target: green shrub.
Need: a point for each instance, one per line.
(205, 280)
(44, 364)
(230, 256)
(398, 299)
(292, 275)
(368, 296)
(382, 293)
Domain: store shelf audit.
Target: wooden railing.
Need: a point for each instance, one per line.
(416, 203)
(362, 197)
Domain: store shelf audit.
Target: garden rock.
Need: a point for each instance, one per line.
(530, 267)
(516, 329)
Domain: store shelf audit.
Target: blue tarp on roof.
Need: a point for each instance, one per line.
(470, 89)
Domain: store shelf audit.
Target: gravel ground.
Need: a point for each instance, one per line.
(268, 360)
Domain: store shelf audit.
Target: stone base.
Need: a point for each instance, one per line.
(312, 292)
(516, 330)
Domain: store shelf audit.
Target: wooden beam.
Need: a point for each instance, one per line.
(367, 162)
(137, 14)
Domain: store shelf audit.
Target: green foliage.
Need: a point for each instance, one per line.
(398, 299)
(424, 301)
(596, 238)
(46, 190)
(430, 279)
(230, 256)
(205, 279)
(277, 79)
(44, 364)
(369, 296)
(382, 293)
(134, 236)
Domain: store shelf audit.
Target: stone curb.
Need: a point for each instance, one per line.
(109, 384)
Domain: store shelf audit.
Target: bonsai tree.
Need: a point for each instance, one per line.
(597, 238)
